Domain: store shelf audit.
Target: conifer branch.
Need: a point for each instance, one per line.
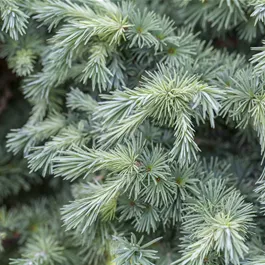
(30, 135)
(127, 252)
(169, 98)
(41, 248)
(14, 19)
(221, 218)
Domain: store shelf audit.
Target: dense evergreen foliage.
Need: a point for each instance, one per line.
(140, 135)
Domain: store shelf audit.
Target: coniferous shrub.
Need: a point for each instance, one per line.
(145, 139)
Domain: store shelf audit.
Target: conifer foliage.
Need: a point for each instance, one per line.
(146, 133)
